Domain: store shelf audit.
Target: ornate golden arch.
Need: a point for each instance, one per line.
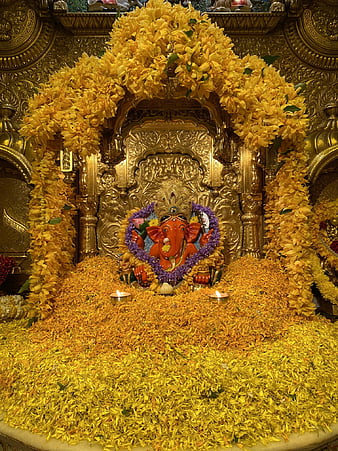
(18, 160)
(320, 161)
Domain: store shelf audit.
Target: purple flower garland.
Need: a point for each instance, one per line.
(175, 276)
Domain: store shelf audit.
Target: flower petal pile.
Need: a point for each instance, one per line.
(171, 374)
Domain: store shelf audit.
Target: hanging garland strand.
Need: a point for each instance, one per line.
(288, 226)
(324, 211)
(52, 233)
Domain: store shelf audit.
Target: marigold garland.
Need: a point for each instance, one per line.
(327, 289)
(145, 45)
(323, 211)
(289, 226)
(52, 234)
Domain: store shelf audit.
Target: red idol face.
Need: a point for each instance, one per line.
(172, 235)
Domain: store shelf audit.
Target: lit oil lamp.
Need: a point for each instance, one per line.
(218, 296)
(118, 296)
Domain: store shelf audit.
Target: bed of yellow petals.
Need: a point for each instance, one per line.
(170, 372)
(85, 318)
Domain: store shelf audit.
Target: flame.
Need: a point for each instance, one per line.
(218, 294)
(118, 293)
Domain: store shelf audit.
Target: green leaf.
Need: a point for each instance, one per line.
(287, 152)
(277, 142)
(66, 207)
(144, 225)
(284, 211)
(192, 21)
(247, 71)
(172, 348)
(31, 321)
(188, 66)
(24, 287)
(62, 386)
(291, 109)
(172, 58)
(55, 221)
(205, 77)
(300, 87)
(143, 229)
(101, 53)
(270, 59)
(189, 33)
(127, 411)
(212, 394)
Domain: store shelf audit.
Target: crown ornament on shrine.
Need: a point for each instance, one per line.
(174, 200)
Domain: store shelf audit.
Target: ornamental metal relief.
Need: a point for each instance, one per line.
(24, 36)
(325, 21)
(314, 38)
(170, 139)
(15, 25)
(14, 235)
(15, 91)
(161, 161)
(321, 88)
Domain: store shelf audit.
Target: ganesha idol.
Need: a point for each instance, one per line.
(173, 250)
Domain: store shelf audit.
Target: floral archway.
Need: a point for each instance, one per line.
(70, 109)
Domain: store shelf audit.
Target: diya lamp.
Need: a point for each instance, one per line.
(218, 296)
(118, 296)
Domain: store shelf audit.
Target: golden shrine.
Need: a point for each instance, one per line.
(170, 111)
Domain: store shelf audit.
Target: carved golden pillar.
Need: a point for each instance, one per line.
(251, 202)
(87, 202)
(251, 220)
